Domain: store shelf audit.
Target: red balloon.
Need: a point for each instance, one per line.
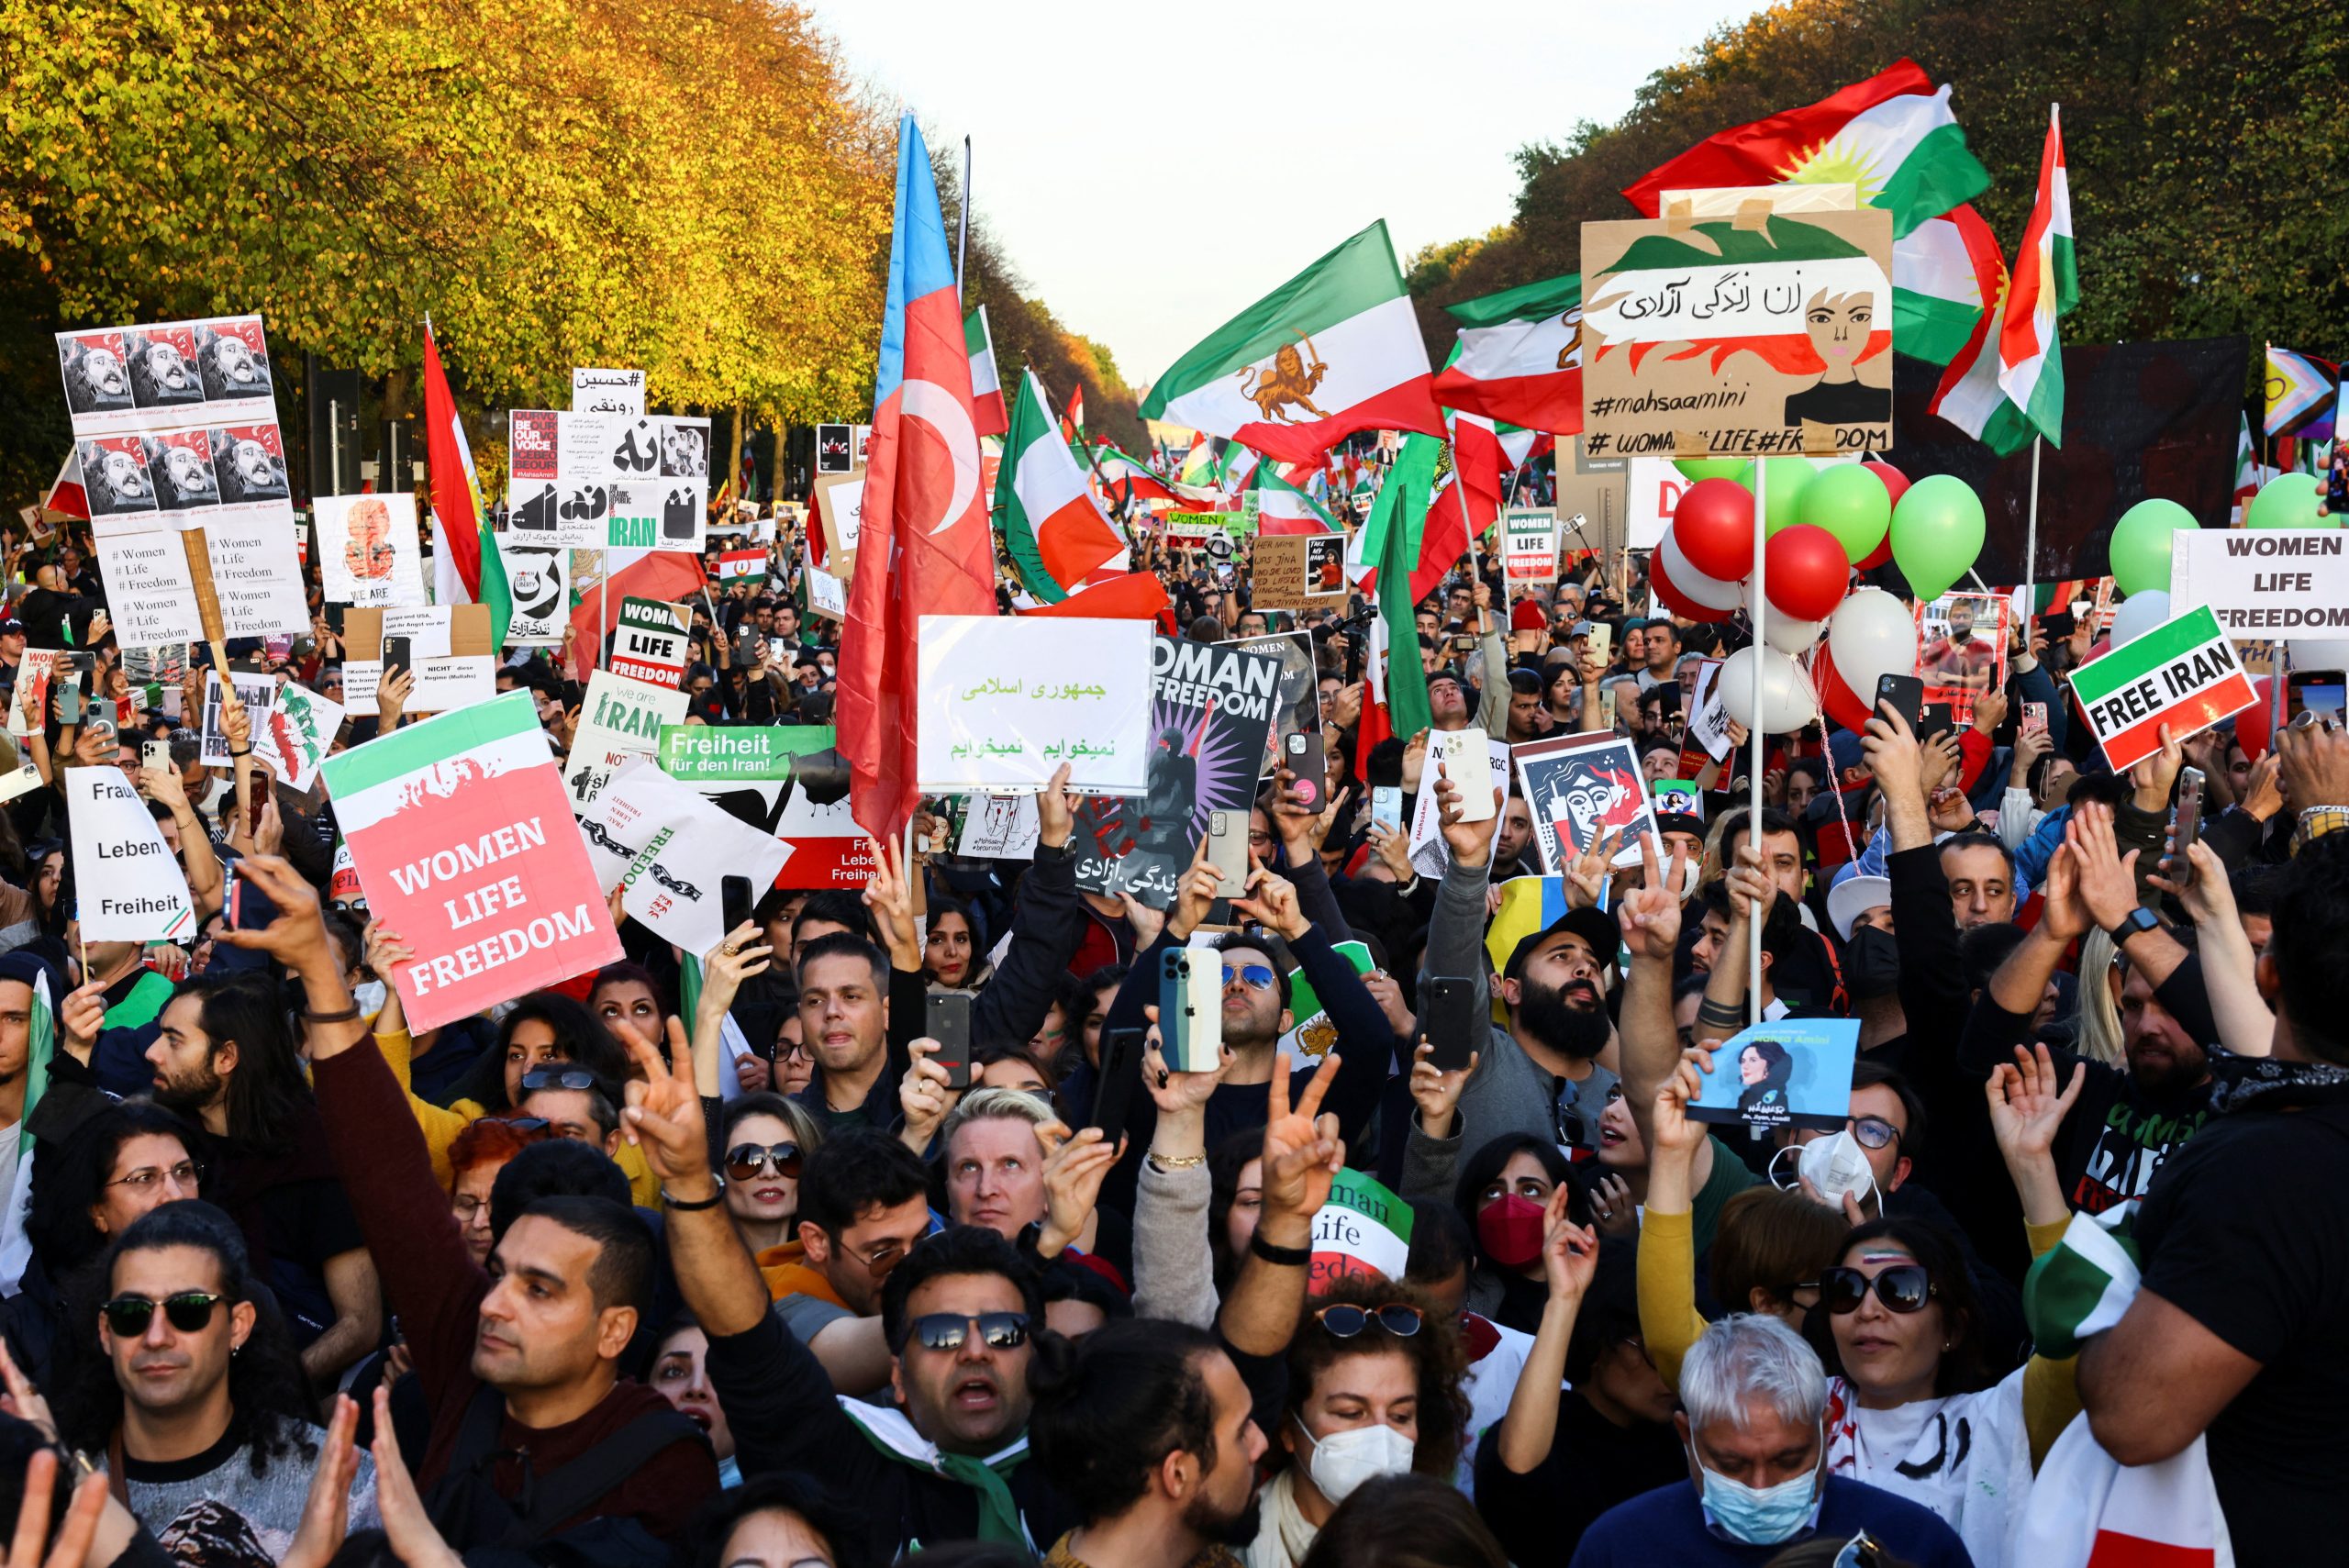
(2253, 724)
(1714, 524)
(1679, 604)
(1808, 571)
(1838, 699)
(1895, 484)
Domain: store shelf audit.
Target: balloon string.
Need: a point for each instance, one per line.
(1835, 788)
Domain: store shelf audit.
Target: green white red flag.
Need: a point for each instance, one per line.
(1395, 694)
(2046, 286)
(1519, 358)
(1282, 509)
(1334, 350)
(988, 414)
(1050, 525)
(741, 566)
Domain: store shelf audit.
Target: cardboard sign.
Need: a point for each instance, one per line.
(620, 718)
(651, 645)
(1782, 1073)
(839, 502)
(1709, 714)
(1581, 788)
(455, 663)
(1961, 649)
(256, 692)
(1529, 545)
(1004, 702)
(1594, 500)
(463, 844)
(606, 391)
(2293, 583)
(2183, 673)
(368, 552)
(1298, 572)
(1742, 335)
(128, 887)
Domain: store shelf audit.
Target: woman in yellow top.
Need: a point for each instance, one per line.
(1907, 1410)
(543, 1027)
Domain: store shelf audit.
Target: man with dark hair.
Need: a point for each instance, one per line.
(1663, 653)
(1525, 708)
(1980, 871)
(536, 1439)
(2236, 1333)
(574, 1103)
(844, 1018)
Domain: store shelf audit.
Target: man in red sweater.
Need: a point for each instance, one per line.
(535, 1434)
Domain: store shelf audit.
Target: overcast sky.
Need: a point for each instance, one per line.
(1150, 171)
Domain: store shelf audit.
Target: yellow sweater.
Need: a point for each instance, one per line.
(441, 1125)
(1669, 1323)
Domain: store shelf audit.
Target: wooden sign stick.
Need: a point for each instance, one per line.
(207, 598)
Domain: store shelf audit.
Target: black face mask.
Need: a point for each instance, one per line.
(1872, 962)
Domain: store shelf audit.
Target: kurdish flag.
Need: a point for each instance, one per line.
(1044, 506)
(742, 566)
(1519, 359)
(2183, 673)
(1282, 509)
(467, 568)
(988, 411)
(2046, 286)
(2301, 391)
(1947, 277)
(1334, 350)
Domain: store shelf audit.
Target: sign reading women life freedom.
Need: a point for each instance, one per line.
(1758, 333)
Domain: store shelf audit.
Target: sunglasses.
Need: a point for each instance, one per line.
(521, 1123)
(949, 1330)
(557, 1078)
(1345, 1322)
(745, 1160)
(1258, 976)
(1903, 1288)
(189, 1312)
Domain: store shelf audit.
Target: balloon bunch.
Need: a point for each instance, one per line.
(1820, 525)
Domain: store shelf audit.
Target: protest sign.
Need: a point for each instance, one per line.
(2263, 582)
(2183, 673)
(1363, 1228)
(343, 882)
(839, 502)
(632, 805)
(538, 578)
(1654, 496)
(1594, 499)
(792, 786)
(171, 374)
(1752, 335)
(730, 753)
(367, 548)
(256, 572)
(1782, 1073)
(128, 885)
(673, 884)
(32, 677)
(1707, 714)
(1298, 572)
(1001, 828)
(620, 718)
(650, 644)
(1961, 649)
(1213, 706)
(150, 597)
(1676, 798)
(606, 391)
(836, 450)
(1004, 702)
(1429, 855)
(827, 595)
(1298, 705)
(452, 663)
(607, 480)
(256, 692)
(1581, 788)
(1530, 535)
(462, 840)
(296, 734)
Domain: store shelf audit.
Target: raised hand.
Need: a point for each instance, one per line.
(2108, 878)
(889, 895)
(1073, 1176)
(1201, 885)
(1055, 813)
(724, 968)
(413, 1538)
(1272, 902)
(1175, 1094)
(924, 1094)
(1586, 878)
(2027, 1106)
(1650, 913)
(1471, 843)
(1437, 1092)
(1569, 1252)
(298, 937)
(1302, 1150)
(663, 1116)
(325, 1510)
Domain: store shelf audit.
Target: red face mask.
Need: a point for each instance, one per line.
(1510, 1228)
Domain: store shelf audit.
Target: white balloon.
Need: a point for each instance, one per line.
(1787, 702)
(1871, 635)
(2320, 653)
(1693, 585)
(2138, 614)
(1779, 630)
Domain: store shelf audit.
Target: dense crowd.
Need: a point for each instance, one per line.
(708, 1258)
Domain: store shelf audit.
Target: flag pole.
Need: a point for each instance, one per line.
(2030, 547)
(963, 224)
(1754, 805)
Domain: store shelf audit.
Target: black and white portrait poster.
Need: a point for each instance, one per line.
(538, 577)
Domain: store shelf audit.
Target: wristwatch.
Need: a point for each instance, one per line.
(2135, 923)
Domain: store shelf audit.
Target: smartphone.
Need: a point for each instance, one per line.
(1463, 641)
(1228, 850)
(65, 698)
(1907, 695)
(1121, 1076)
(101, 723)
(1468, 764)
(1387, 805)
(1451, 1025)
(84, 667)
(1602, 641)
(2034, 716)
(1937, 719)
(1190, 1008)
(948, 1023)
(1606, 708)
(155, 753)
(229, 893)
(253, 811)
(1296, 753)
(2187, 825)
(2319, 692)
(734, 902)
(398, 654)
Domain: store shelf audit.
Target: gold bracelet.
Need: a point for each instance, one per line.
(1174, 1163)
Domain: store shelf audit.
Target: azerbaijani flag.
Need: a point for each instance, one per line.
(1334, 350)
(2046, 286)
(467, 568)
(1044, 506)
(988, 414)
(742, 566)
(1519, 359)
(2302, 390)
(1282, 509)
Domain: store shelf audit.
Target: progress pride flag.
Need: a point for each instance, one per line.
(464, 843)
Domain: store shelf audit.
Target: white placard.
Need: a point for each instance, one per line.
(673, 884)
(150, 595)
(606, 391)
(367, 554)
(1429, 855)
(298, 734)
(1000, 828)
(620, 718)
(538, 578)
(1004, 701)
(1655, 490)
(1531, 538)
(131, 888)
(259, 694)
(256, 572)
(1708, 717)
(2264, 582)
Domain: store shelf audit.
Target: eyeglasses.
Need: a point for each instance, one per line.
(1903, 1288)
(950, 1330)
(1874, 1133)
(467, 1207)
(186, 1174)
(880, 1259)
(1258, 976)
(785, 1049)
(1345, 1322)
(557, 1078)
(189, 1312)
(745, 1160)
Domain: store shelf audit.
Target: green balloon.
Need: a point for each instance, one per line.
(2288, 500)
(2140, 544)
(1937, 531)
(1710, 467)
(1850, 501)
(1788, 478)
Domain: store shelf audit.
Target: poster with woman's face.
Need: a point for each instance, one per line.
(1783, 1073)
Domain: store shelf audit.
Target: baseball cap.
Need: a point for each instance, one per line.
(1854, 896)
(12, 626)
(1595, 926)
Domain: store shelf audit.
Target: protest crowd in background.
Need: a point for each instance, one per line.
(1190, 1009)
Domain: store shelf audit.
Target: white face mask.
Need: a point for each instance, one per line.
(368, 995)
(1834, 1165)
(1343, 1461)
